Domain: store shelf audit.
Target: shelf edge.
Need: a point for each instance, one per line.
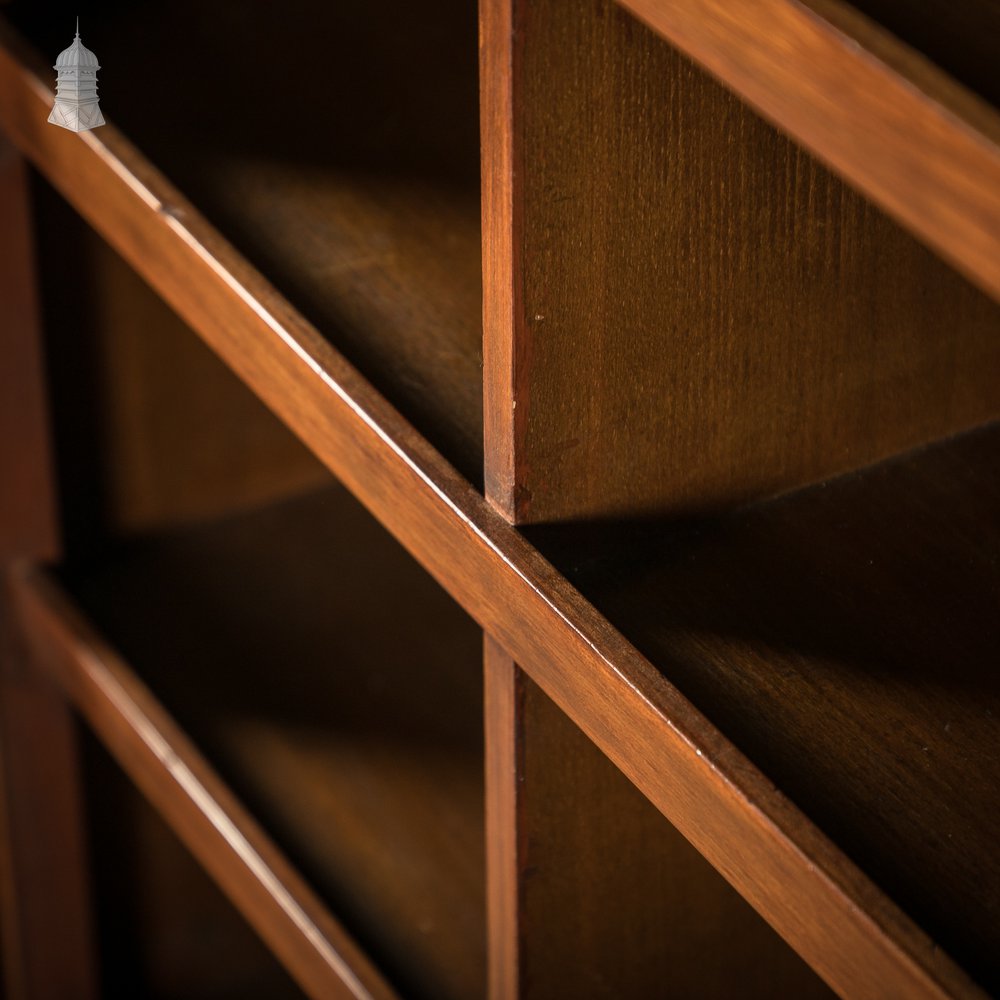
(923, 148)
(163, 763)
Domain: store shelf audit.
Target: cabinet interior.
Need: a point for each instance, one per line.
(719, 412)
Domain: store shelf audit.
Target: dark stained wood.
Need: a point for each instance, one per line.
(151, 430)
(44, 893)
(44, 899)
(782, 864)
(345, 167)
(503, 707)
(338, 690)
(503, 268)
(904, 133)
(201, 809)
(704, 314)
(846, 639)
(165, 928)
(958, 36)
(27, 501)
(592, 892)
(615, 902)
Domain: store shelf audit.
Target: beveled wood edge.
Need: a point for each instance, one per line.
(832, 914)
(904, 133)
(168, 769)
(502, 712)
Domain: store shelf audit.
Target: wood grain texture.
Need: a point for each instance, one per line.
(592, 892)
(205, 814)
(846, 639)
(346, 169)
(338, 690)
(150, 429)
(503, 708)
(27, 498)
(957, 36)
(904, 133)
(615, 903)
(707, 315)
(783, 865)
(500, 77)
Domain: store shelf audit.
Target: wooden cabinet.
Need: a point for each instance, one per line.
(581, 578)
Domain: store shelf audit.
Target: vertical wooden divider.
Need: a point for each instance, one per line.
(44, 900)
(682, 312)
(685, 311)
(503, 710)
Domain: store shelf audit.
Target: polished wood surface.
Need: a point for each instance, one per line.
(958, 36)
(903, 132)
(604, 875)
(845, 638)
(176, 778)
(781, 863)
(365, 212)
(703, 314)
(798, 880)
(503, 242)
(593, 893)
(337, 689)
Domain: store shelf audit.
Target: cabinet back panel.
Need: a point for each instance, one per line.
(615, 903)
(151, 428)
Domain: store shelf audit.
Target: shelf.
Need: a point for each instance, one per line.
(888, 119)
(294, 344)
(358, 197)
(845, 638)
(350, 726)
(163, 928)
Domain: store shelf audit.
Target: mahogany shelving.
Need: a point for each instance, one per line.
(688, 427)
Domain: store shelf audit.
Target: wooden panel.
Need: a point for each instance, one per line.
(503, 688)
(707, 316)
(616, 903)
(44, 902)
(846, 638)
(338, 690)
(43, 872)
(905, 134)
(151, 430)
(958, 36)
(593, 893)
(27, 500)
(346, 167)
(205, 814)
(782, 864)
